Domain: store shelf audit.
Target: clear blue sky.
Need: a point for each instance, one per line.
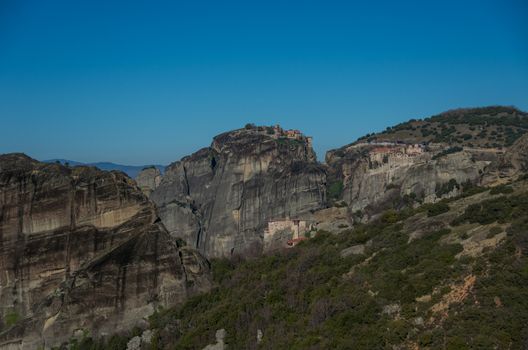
(142, 82)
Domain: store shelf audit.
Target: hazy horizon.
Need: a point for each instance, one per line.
(138, 83)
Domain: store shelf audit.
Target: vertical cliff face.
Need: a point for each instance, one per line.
(376, 178)
(220, 199)
(82, 249)
(148, 179)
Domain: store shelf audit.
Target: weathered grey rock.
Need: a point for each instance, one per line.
(375, 186)
(146, 336)
(148, 179)
(513, 164)
(134, 343)
(332, 219)
(518, 155)
(220, 198)
(391, 309)
(353, 250)
(418, 321)
(83, 249)
(220, 345)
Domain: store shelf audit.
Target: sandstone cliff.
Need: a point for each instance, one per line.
(220, 198)
(82, 250)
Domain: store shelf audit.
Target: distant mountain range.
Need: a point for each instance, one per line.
(130, 170)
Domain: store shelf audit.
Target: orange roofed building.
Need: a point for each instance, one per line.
(289, 231)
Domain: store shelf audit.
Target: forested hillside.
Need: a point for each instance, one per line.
(450, 275)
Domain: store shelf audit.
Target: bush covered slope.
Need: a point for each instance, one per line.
(494, 126)
(446, 276)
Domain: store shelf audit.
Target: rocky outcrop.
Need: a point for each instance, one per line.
(219, 345)
(429, 159)
(512, 165)
(83, 249)
(518, 154)
(148, 179)
(376, 178)
(220, 198)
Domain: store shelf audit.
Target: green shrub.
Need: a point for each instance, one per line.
(502, 189)
(335, 190)
(437, 208)
(464, 235)
(221, 269)
(11, 318)
(340, 204)
(445, 188)
(495, 230)
(469, 189)
(116, 342)
(180, 242)
(448, 151)
(523, 177)
(501, 209)
(391, 186)
(390, 217)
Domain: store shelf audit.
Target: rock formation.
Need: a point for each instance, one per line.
(427, 160)
(373, 177)
(82, 250)
(220, 198)
(519, 154)
(513, 164)
(148, 179)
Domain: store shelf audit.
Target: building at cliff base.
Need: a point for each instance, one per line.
(285, 232)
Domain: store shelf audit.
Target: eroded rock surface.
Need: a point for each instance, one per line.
(423, 161)
(220, 198)
(83, 249)
(514, 163)
(148, 179)
(219, 345)
(374, 177)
